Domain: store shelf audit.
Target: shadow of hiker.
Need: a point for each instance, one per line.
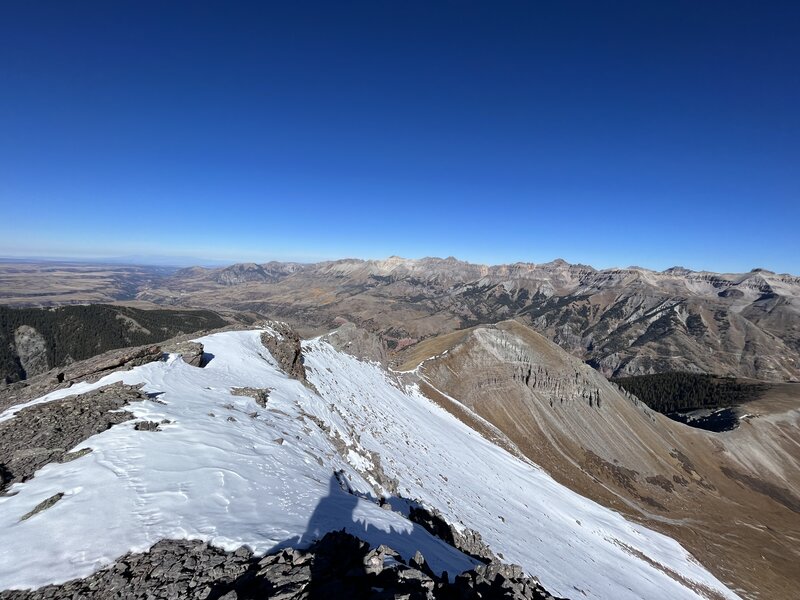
(333, 512)
(337, 560)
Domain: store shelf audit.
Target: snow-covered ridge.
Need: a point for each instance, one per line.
(232, 472)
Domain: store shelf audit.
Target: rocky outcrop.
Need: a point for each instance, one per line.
(94, 368)
(191, 352)
(358, 342)
(35, 340)
(31, 350)
(91, 370)
(283, 344)
(260, 395)
(45, 433)
(337, 566)
(171, 569)
(467, 540)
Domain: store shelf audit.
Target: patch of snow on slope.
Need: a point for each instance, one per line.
(218, 472)
(230, 472)
(569, 542)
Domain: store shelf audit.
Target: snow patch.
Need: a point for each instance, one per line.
(232, 473)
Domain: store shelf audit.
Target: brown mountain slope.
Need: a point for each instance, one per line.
(732, 498)
(623, 321)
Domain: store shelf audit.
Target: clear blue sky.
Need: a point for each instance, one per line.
(609, 133)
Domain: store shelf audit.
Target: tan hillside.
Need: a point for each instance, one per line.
(732, 498)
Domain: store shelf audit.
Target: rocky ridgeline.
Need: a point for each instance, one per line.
(45, 433)
(337, 566)
(467, 541)
(99, 366)
(247, 273)
(625, 322)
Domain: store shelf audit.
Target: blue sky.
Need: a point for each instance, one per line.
(613, 133)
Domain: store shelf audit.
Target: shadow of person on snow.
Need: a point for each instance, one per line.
(334, 511)
(337, 568)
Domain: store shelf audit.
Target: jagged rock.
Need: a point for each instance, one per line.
(373, 563)
(375, 560)
(147, 426)
(411, 574)
(191, 352)
(468, 541)
(283, 344)
(337, 566)
(418, 562)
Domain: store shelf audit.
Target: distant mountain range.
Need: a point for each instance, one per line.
(621, 321)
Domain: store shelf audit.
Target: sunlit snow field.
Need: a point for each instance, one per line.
(227, 471)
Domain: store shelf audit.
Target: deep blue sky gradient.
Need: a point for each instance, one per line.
(609, 133)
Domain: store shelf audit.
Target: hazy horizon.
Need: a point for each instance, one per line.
(167, 261)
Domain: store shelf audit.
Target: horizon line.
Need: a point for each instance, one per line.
(183, 262)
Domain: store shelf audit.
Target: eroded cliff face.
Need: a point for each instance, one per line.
(594, 437)
(639, 332)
